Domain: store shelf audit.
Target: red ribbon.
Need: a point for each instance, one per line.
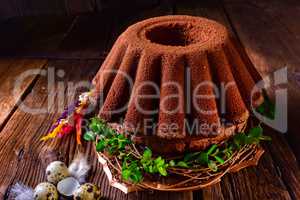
(66, 129)
(78, 121)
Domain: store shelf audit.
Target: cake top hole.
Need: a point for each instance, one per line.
(175, 34)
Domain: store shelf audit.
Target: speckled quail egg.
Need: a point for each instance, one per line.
(87, 191)
(57, 171)
(45, 191)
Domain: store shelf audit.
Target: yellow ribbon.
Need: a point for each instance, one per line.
(55, 132)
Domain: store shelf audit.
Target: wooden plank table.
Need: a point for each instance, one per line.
(268, 35)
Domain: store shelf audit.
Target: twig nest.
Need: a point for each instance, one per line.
(57, 171)
(68, 186)
(87, 191)
(45, 191)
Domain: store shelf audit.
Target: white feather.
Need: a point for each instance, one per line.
(22, 192)
(79, 168)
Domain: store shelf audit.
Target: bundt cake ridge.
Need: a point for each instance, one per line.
(157, 67)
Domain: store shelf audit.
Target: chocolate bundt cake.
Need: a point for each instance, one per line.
(167, 75)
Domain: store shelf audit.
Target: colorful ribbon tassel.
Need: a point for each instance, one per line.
(75, 111)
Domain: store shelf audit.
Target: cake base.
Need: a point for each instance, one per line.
(245, 157)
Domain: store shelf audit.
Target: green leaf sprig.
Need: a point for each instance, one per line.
(267, 108)
(209, 158)
(135, 167)
(131, 170)
(109, 140)
(151, 165)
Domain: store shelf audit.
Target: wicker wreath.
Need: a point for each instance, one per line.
(180, 179)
